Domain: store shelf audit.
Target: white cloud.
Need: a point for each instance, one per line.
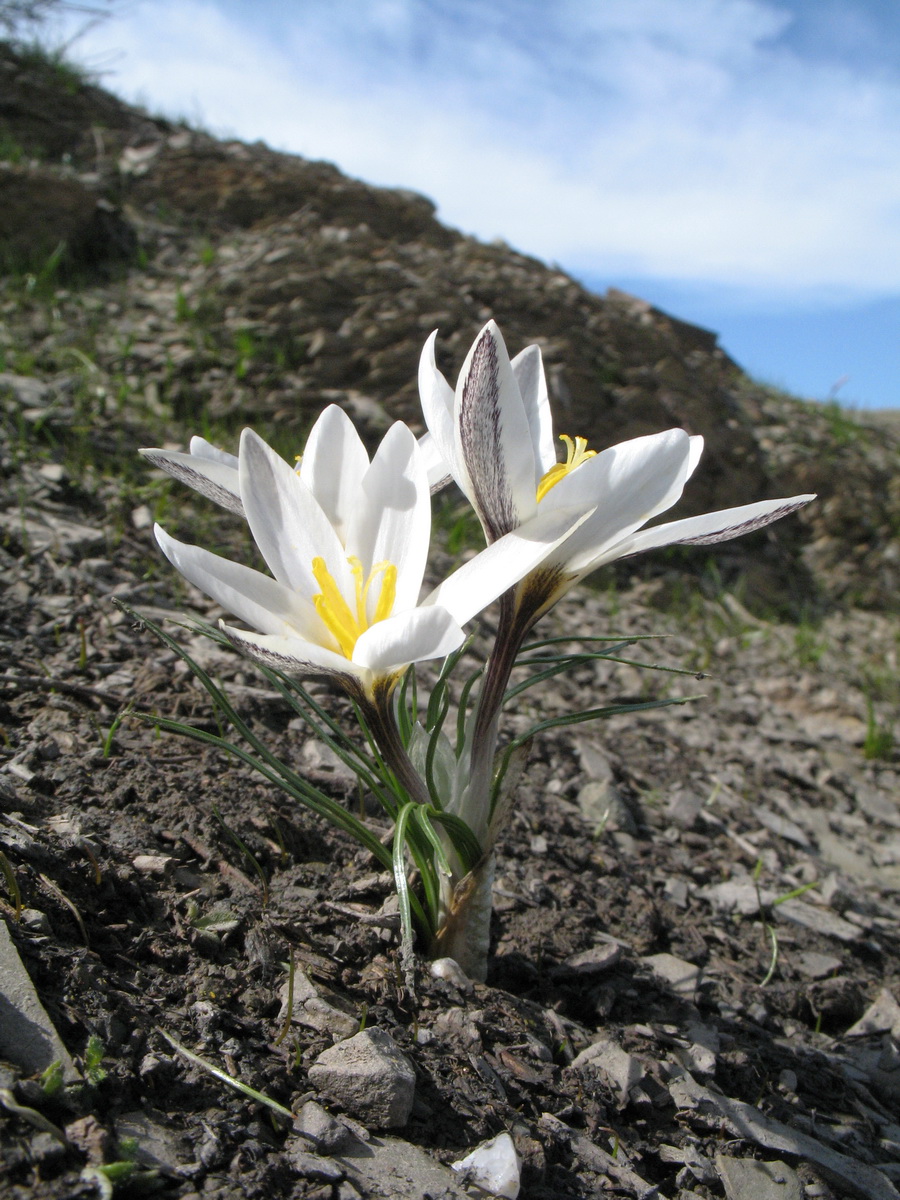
(689, 141)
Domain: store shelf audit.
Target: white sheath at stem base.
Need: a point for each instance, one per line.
(465, 935)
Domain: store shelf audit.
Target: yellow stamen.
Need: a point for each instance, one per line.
(576, 453)
(345, 625)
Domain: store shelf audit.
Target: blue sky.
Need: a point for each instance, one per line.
(736, 162)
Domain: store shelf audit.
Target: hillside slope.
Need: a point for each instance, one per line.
(224, 284)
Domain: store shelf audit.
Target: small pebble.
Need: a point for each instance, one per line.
(493, 1166)
(449, 969)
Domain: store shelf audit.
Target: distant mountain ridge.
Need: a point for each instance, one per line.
(233, 283)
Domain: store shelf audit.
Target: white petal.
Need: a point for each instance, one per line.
(436, 397)
(502, 564)
(260, 601)
(493, 438)
(332, 466)
(628, 484)
(292, 655)
(201, 448)
(286, 520)
(210, 477)
(437, 469)
(393, 521)
(695, 452)
(421, 633)
(528, 368)
(709, 528)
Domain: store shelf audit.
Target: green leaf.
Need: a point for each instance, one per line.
(238, 1086)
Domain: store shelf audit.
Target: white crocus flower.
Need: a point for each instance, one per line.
(215, 473)
(495, 432)
(346, 541)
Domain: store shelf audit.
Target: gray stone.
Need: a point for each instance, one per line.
(783, 827)
(621, 1070)
(27, 1035)
(594, 762)
(312, 1166)
(327, 1133)
(677, 891)
(45, 530)
(157, 1145)
(26, 390)
(318, 1007)
(391, 1169)
(36, 921)
(817, 966)
(820, 920)
(882, 1016)
(594, 961)
(684, 808)
(699, 1057)
(737, 896)
(682, 977)
(747, 1179)
(368, 1075)
(603, 807)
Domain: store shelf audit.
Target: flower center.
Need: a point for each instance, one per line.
(338, 617)
(576, 453)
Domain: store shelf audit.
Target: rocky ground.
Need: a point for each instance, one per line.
(693, 986)
(696, 934)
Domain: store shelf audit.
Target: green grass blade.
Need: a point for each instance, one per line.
(238, 1086)
(401, 883)
(608, 637)
(464, 840)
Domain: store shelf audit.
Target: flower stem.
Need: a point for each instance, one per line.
(378, 712)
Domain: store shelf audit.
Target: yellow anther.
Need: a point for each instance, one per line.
(576, 453)
(342, 622)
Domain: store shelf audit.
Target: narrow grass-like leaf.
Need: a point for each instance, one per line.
(575, 654)
(405, 705)
(238, 1086)
(400, 881)
(608, 637)
(114, 729)
(565, 663)
(596, 714)
(553, 666)
(462, 710)
(325, 727)
(435, 734)
(795, 892)
(773, 961)
(464, 840)
(591, 714)
(439, 854)
(248, 854)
